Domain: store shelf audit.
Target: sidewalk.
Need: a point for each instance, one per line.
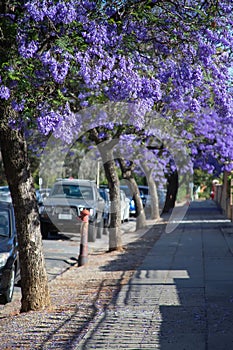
(78, 295)
(181, 296)
(169, 291)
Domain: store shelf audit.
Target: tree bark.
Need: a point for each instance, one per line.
(126, 171)
(172, 189)
(115, 235)
(34, 282)
(106, 151)
(154, 215)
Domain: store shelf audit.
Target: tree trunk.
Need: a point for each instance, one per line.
(140, 213)
(172, 189)
(126, 171)
(34, 283)
(154, 215)
(115, 235)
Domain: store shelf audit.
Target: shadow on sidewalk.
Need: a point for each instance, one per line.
(181, 294)
(126, 262)
(168, 291)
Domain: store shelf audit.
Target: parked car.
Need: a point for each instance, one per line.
(124, 206)
(144, 193)
(124, 201)
(9, 257)
(40, 197)
(5, 194)
(61, 209)
(132, 208)
(4, 189)
(104, 192)
(161, 197)
(41, 194)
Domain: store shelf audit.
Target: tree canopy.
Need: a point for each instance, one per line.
(173, 58)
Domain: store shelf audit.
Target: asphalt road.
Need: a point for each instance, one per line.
(61, 251)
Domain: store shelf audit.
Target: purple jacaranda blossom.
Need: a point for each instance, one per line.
(18, 106)
(4, 92)
(28, 49)
(166, 65)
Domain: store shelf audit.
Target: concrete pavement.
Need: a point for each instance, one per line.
(181, 296)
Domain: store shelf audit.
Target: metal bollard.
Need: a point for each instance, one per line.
(83, 253)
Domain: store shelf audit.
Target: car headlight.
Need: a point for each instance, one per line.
(45, 211)
(3, 258)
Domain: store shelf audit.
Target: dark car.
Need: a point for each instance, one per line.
(5, 194)
(62, 208)
(9, 258)
(4, 189)
(144, 193)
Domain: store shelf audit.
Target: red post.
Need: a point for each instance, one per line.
(83, 253)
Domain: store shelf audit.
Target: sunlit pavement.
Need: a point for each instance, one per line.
(181, 297)
(129, 234)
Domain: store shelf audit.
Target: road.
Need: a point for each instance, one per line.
(62, 250)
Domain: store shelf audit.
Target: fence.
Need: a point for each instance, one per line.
(224, 196)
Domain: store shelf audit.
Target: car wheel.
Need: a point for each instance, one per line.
(8, 295)
(92, 232)
(44, 230)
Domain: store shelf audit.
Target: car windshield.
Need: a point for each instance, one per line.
(4, 223)
(72, 191)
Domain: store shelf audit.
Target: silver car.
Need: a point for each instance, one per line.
(61, 209)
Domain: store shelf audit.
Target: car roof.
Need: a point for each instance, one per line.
(74, 181)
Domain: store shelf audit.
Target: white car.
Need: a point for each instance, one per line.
(125, 201)
(161, 198)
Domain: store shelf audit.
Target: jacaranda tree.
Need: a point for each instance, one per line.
(59, 57)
